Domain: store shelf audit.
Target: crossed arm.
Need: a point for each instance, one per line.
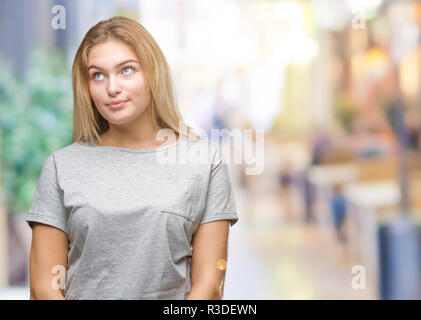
(209, 260)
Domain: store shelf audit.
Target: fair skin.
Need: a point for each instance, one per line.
(115, 74)
(48, 249)
(209, 246)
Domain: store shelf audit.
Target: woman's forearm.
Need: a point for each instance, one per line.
(40, 294)
(204, 292)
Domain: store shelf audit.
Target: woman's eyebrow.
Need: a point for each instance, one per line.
(117, 65)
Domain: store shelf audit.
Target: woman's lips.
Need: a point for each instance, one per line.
(117, 104)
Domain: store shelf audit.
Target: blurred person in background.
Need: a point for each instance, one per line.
(285, 181)
(338, 205)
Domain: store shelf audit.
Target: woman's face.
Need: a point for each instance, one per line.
(116, 83)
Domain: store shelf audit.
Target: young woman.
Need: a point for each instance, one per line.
(109, 219)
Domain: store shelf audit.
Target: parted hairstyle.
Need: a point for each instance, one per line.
(162, 109)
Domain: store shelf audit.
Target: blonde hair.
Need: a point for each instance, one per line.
(88, 123)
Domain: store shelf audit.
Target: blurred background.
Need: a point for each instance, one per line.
(334, 84)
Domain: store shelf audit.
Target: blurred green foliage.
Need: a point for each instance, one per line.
(36, 118)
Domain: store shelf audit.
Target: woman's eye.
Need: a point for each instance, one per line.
(127, 70)
(98, 76)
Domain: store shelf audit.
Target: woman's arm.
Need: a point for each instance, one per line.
(48, 249)
(209, 260)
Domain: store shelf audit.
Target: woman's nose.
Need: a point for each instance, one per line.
(113, 87)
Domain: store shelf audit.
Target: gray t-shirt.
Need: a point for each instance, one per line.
(129, 216)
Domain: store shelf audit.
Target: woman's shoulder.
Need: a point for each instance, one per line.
(70, 150)
(209, 147)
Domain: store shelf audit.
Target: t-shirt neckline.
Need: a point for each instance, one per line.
(94, 145)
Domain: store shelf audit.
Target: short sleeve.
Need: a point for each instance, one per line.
(220, 200)
(47, 205)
